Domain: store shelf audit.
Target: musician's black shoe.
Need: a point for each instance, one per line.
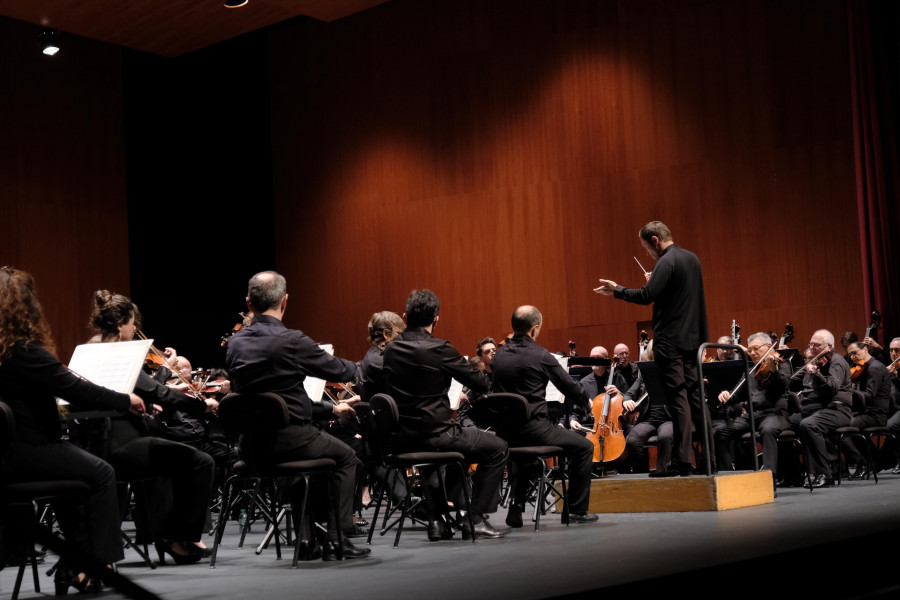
(514, 516)
(435, 530)
(667, 472)
(330, 551)
(355, 531)
(484, 529)
(896, 469)
(861, 472)
(583, 518)
(822, 481)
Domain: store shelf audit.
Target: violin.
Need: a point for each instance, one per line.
(246, 320)
(154, 361)
(820, 359)
(607, 435)
(162, 357)
(767, 367)
(857, 370)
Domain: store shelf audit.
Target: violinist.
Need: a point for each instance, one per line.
(484, 356)
(894, 420)
(136, 450)
(826, 404)
(768, 387)
(522, 367)
(870, 377)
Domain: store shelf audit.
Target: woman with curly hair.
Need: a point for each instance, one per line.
(31, 378)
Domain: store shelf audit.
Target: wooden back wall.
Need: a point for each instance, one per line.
(507, 152)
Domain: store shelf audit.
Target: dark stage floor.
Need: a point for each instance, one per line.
(835, 543)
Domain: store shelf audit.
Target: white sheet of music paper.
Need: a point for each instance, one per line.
(553, 394)
(114, 365)
(314, 386)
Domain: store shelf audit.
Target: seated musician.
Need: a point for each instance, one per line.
(825, 405)
(894, 420)
(595, 383)
(768, 387)
(484, 356)
(182, 492)
(625, 367)
(522, 367)
(418, 369)
(383, 327)
(647, 416)
(266, 357)
(870, 377)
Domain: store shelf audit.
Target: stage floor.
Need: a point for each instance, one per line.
(780, 548)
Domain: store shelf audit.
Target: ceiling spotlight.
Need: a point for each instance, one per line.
(49, 41)
(235, 3)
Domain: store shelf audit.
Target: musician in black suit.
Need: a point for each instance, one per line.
(874, 383)
(269, 357)
(418, 369)
(522, 367)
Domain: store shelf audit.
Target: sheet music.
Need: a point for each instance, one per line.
(455, 390)
(114, 365)
(552, 393)
(314, 386)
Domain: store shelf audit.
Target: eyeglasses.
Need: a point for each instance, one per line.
(812, 346)
(758, 348)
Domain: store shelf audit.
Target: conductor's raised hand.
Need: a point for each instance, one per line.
(607, 287)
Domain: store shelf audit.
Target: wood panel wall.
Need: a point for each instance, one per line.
(507, 152)
(63, 209)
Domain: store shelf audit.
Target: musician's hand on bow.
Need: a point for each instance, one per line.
(646, 276)
(575, 425)
(171, 357)
(212, 405)
(137, 405)
(343, 409)
(629, 405)
(463, 399)
(607, 287)
(724, 397)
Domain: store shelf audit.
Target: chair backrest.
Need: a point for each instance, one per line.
(384, 417)
(264, 412)
(501, 411)
(7, 432)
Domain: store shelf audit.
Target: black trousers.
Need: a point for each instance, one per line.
(307, 442)
(636, 440)
(181, 500)
(767, 426)
(489, 451)
(681, 381)
(579, 452)
(99, 533)
(813, 431)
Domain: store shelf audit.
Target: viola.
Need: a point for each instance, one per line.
(607, 435)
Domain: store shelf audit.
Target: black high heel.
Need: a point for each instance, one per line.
(164, 547)
(64, 578)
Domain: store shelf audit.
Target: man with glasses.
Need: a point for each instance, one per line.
(768, 393)
(826, 404)
(627, 368)
(873, 381)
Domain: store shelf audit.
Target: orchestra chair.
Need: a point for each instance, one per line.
(791, 437)
(261, 415)
(383, 421)
(504, 411)
(837, 437)
(883, 433)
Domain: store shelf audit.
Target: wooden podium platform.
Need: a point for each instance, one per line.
(640, 493)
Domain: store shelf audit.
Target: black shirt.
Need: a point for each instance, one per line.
(875, 385)
(676, 291)
(418, 369)
(522, 367)
(269, 357)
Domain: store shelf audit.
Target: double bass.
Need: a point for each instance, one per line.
(607, 435)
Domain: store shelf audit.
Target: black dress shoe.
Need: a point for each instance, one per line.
(583, 518)
(896, 470)
(861, 472)
(355, 532)
(514, 516)
(822, 481)
(484, 529)
(350, 551)
(435, 531)
(667, 472)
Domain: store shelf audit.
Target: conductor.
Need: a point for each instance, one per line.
(675, 288)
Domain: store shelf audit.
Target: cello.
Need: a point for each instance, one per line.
(607, 435)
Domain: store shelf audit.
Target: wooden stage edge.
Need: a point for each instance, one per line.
(640, 493)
